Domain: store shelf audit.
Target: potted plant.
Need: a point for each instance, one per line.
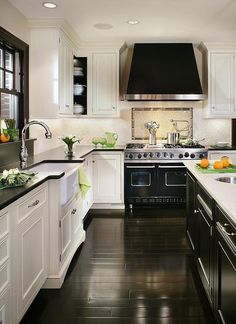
(69, 140)
(11, 129)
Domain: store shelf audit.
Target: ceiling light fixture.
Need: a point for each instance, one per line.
(49, 5)
(133, 22)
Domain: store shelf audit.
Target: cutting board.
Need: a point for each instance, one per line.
(210, 169)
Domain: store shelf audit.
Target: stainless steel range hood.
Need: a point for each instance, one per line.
(163, 71)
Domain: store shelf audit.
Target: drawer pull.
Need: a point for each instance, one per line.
(35, 203)
(224, 229)
(74, 211)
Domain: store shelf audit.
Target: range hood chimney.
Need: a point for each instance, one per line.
(163, 71)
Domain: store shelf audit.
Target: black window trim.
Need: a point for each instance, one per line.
(15, 43)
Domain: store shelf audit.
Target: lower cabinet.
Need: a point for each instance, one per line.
(205, 240)
(87, 201)
(212, 236)
(225, 276)
(108, 177)
(32, 244)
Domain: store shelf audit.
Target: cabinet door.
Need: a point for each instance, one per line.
(105, 84)
(222, 84)
(87, 201)
(205, 247)
(66, 235)
(76, 221)
(192, 214)
(107, 178)
(5, 308)
(66, 77)
(32, 256)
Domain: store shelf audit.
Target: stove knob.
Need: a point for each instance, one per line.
(186, 154)
(165, 154)
(181, 156)
(139, 155)
(158, 154)
(151, 155)
(171, 155)
(145, 155)
(192, 156)
(131, 156)
(201, 156)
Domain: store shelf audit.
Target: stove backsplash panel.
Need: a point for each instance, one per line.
(163, 116)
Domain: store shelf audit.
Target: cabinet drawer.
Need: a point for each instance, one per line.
(205, 199)
(4, 225)
(4, 276)
(4, 250)
(31, 204)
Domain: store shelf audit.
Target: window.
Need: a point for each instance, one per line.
(14, 63)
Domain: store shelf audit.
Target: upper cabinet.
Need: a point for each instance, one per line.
(96, 81)
(105, 84)
(52, 50)
(219, 79)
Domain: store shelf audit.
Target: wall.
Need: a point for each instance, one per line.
(13, 21)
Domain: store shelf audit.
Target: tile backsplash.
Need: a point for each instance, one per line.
(165, 117)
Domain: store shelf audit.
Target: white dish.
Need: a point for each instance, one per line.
(222, 144)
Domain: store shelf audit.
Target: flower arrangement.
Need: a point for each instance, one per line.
(14, 178)
(69, 140)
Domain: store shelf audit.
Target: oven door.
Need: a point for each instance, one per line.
(172, 179)
(140, 180)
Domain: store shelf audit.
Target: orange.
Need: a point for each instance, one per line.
(225, 161)
(218, 165)
(5, 138)
(204, 163)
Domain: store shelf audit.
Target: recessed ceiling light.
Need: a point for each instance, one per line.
(133, 22)
(49, 5)
(102, 26)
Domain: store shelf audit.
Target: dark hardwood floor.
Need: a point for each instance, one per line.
(133, 268)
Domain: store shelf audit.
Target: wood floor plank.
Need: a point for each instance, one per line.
(134, 268)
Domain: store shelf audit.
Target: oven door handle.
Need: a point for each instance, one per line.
(171, 167)
(140, 167)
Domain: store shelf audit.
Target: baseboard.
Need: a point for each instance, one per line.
(108, 206)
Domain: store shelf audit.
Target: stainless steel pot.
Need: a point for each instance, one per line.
(173, 138)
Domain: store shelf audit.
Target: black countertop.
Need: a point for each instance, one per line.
(7, 196)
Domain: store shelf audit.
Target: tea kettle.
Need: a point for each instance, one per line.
(111, 139)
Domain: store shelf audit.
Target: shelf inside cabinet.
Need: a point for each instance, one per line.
(80, 81)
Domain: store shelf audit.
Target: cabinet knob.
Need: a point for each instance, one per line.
(113, 107)
(73, 211)
(67, 106)
(212, 107)
(195, 211)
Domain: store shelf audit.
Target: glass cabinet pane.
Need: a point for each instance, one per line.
(8, 61)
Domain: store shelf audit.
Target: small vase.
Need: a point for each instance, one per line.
(69, 152)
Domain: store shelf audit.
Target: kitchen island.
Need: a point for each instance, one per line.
(211, 230)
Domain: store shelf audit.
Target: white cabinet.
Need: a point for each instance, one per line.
(108, 177)
(105, 84)
(32, 246)
(5, 268)
(50, 71)
(219, 80)
(87, 201)
(66, 233)
(66, 76)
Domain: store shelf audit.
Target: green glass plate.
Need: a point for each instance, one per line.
(210, 169)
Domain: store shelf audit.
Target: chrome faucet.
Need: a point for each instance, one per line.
(23, 148)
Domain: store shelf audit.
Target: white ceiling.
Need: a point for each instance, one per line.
(160, 20)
